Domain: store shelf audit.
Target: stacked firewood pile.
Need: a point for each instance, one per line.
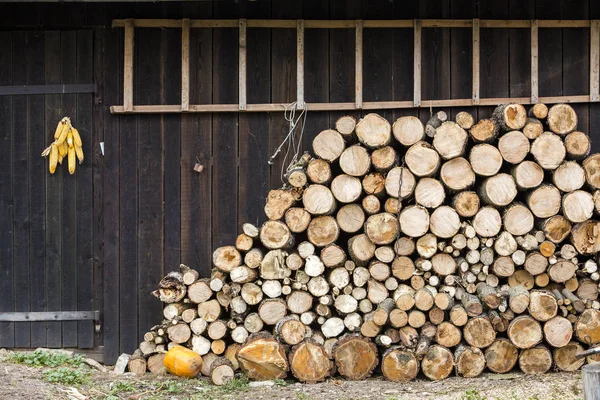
(450, 246)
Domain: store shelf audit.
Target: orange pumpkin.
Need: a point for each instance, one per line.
(184, 362)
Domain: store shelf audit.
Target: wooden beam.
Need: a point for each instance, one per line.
(504, 24)
(300, 64)
(50, 316)
(329, 24)
(446, 23)
(242, 66)
(358, 79)
(47, 89)
(595, 61)
(128, 66)
(185, 64)
(534, 62)
(391, 23)
(476, 61)
(558, 23)
(375, 105)
(417, 64)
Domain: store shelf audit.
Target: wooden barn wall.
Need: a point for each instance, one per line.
(103, 238)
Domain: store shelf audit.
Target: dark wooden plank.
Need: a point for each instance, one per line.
(112, 54)
(39, 138)
(196, 146)
(171, 94)
(576, 62)
(85, 237)
(150, 213)
(53, 114)
(69, 270)
(520, 50)
(254, 127)
(20, 189)
(494, 61)
(377, 62)
(402, 57)
(225, 131)
(550, 50)
(316, 69)
(31, 89)
(7, 330)
(341, 58)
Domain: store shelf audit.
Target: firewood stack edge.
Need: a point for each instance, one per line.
(446, 247)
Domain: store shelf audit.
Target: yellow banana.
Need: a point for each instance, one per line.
(64, 132)
(63, 148)
(79, 152)
(76, 138)
(71, 160)
(70, 138)
(53, 158)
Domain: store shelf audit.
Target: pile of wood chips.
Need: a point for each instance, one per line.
(450, 246)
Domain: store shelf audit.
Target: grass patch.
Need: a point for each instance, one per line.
(66, 376)
(41, 358)
(473, 394)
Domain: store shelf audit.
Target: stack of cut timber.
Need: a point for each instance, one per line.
(453, 246)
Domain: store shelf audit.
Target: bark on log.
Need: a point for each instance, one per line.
(263, 358)
(587, 327)
(355, 357)
(309, 362)
(221, 371)
(399, 365)
(434, 122)
(470, 361)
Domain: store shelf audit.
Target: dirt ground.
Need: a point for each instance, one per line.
(23, 382)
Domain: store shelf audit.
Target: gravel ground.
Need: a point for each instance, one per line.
(23, 382)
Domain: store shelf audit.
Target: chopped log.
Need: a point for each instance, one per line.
(535, 263)
(588, 290)
(458, 315)
(156, 364)
(171, 288)
(427, 246)
(355, 161)
(448, 335)
(518, 219)
(533, 128)
(488, 295)
(561, 271)
(498, 190)
(252, 259)
(179, 333)
(542, 305)
(569, 176)
(422, 159)
(345, 125)
(587, 327)
(484, 131)
(263, 358)
(544, 201)
(434, 122)
(466, 203)
(403, 268)
(472, 304)
(221, 371)
(470, 361)
(525, 332)
(539, 110)
(400, 182)
(457, 174)
(591, 165)
(485, 159)
(243, 242)
(323, 230)
(350, 218)
(373, 131)
(408, 130)
(465, 120)
(298, 302)
(361, 249)
(487, 222)
(428, 333)
(279, 201)
(556, 228)
(565, 357)
(339, 277)
(374, 183)
(548, 150)
(294, 262)
(239, 335)
(275, 235)
(216, 330)
(355, 357)
(521, 277)
(501, 356)
(273, 265)
(271, 311)
(399, 365)
(479, 332)
(137, 364)
(328, 145)
(444, 222)
(384, 159)
(503, 267)
(382, 228)
(346, 188)
(297, 178)
(309, 362)
(437, 363)
(450, 140)
(562, 119)
(429, 193)
(385, 254)
(333, 256)
(371, 204)
(577, 145)
(528, 175)
(189, 275)
(586, 237)
(578, 206)
(443, 264)
(251, 293)
(290, 330)
(414, 221)
(558, 331)
(510, 116)
(318, 200)
(318, 171)
(297, 219)
(243, 274)
(514, 147)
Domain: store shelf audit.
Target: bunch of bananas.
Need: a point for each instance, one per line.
(67, 143)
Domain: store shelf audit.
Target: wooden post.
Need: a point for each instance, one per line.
(417, 64)
(185, 64)
(242, 65)
(128, 66)
(476, 48)
(358, 81)
(595, 60)
(300, 64)
(591, 381)
(534, 61)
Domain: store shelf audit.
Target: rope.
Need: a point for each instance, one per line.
(293, 143)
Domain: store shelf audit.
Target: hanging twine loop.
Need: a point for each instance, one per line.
(293, 140)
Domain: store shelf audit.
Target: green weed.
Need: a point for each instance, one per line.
(473, 394)
(66, 376)
(41, 358)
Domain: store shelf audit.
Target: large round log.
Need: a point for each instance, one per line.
(578, 145)
(408, 130)
(498, 190)
(276, 235)
(414, 221)
(328, 145)
(355, 161)
(227, 258)
(470, 361)
(400, 182)
(542, 305)
(438, 363)
(457, 174)
(447, 334)
(374, 183)
(539, 110)
(592, 170)
(485, 159)
(558, 331)
(518, 219)
(524, 332)
(586, 237)
(548, 150)
(361, 249)
(355, 357)
(545, 201)
(345, 125)
(422, 159)
(561, 271)
(465, 120)
(513, 146)
(587, 327)
(466, 203)
(569, 176)
(384, 159)
(562, 119)
(263, 358)
(309, 362)
(350, 218)
(510, 116)
(373, 131)
(399, 365)
(429, 193)
(450, 140)
(318, 200)
(297, 219)
(564, 357)
(533, 128)
(382, 228)
(346, 188)
(479, 332)
(323, 230)
(319, 171)
(487, 222)
(484, 131)
(556, 228)
(578, 206)
(501, 356)
(528, 175)
(444, 222)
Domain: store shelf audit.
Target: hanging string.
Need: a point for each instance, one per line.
(293, 140)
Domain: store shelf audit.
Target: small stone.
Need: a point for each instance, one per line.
(390, 392)
(261, 384)
(121, 364)
(95, 364)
